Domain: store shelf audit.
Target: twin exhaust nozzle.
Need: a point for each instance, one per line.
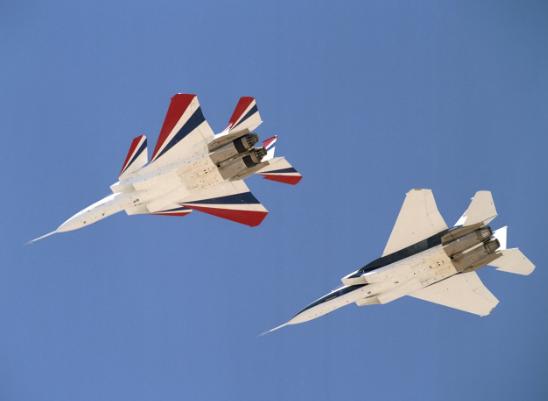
(473, 249)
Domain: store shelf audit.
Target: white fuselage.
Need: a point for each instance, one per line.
(385, 284)
(151, 189)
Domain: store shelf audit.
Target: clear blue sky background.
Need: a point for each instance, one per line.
(369, 98)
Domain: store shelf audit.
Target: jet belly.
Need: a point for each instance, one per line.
(107, 206)
(385, 285)
(334, 300)
(412, 273)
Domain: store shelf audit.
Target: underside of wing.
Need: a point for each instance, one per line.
(184, 132)
(463, 291)
(231, 200)
(418, 219)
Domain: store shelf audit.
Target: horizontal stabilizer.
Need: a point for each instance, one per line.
(280, 170)
(481, 210)
(513, 261)
(137, 156)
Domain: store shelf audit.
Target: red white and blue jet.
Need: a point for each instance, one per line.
(192, 168)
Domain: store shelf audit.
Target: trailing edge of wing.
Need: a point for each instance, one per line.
(241, 208)
(463, 291)
(232, 201)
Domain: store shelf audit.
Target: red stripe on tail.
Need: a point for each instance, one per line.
(242, 105)
(177, 107)
(131, 151)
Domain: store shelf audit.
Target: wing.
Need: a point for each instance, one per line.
(185, 131)
(463, 291)
(230, 200)
(418, 219)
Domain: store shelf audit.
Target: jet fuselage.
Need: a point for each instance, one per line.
(149, 189)
(393, 276)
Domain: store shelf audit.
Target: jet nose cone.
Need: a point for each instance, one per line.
(75, 222)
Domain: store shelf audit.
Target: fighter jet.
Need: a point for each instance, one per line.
(192, 168)
(425, 259)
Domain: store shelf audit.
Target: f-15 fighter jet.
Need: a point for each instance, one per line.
(191, 168)
(427, 260)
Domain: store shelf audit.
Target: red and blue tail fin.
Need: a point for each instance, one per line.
(137, 156)
(245, 117)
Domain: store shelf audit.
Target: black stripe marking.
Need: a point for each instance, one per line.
(411, 250)
(332, 295)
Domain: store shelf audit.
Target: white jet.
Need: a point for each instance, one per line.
(192, 168)
(427, 260)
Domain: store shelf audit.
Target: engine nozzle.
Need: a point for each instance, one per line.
(477, 257)
(234, 148)
(467, 241)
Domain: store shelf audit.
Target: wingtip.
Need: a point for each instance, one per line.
(32, 241)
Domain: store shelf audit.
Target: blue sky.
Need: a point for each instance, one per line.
(369, 99)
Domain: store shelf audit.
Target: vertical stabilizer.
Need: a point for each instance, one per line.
(481, 210)
(502, 236)
(137, 156)
(245, 117)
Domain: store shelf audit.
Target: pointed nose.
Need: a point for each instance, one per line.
(75, 222)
